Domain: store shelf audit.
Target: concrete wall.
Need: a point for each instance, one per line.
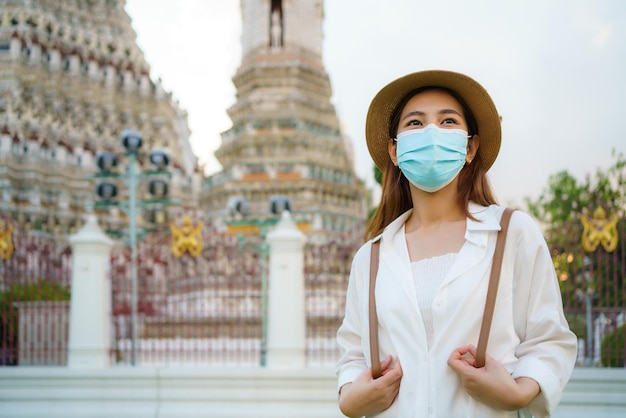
(55, 392)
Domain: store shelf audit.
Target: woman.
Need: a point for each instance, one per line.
(434, 134)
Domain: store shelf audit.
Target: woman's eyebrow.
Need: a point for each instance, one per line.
(413, 113)
(449, 111)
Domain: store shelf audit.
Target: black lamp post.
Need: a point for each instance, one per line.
(107, 192)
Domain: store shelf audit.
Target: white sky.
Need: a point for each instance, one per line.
(556, 70)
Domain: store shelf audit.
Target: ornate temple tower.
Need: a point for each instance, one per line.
(72, 78)
(285, 140)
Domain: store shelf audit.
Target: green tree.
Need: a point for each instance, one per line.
(561, 205)
(378, 176)
(565, 198)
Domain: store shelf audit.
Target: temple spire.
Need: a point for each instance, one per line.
(286, 141)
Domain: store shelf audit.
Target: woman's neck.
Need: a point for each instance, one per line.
(436, 225)
(430, 209)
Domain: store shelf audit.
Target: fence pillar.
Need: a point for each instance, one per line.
(90, 307)
(286, 336)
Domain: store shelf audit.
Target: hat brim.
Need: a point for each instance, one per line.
(475, 96)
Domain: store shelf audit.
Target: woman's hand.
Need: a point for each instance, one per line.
(493, 384)
(366, 396)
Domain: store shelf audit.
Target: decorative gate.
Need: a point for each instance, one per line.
(207, 310)
(199, 310)
(590, 259)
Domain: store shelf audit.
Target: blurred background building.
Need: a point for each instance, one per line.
(71, 80)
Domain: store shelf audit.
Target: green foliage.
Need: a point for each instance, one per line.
(565, 199)
(564, 194)
(562, 197)
(42, 290)
(34, 292)
(613, 351)
(577, 324)
(378, 175)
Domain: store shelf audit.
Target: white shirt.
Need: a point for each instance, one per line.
(529, 334)
(428, 274)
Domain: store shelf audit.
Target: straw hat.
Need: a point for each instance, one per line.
(474, 95)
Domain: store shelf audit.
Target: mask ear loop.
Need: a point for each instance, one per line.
(395, 143)
(469, 137)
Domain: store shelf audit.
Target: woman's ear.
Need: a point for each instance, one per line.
(472, 149)
(391, 148)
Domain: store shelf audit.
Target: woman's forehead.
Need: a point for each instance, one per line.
(433, 99)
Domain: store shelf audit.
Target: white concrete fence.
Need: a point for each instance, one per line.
(89, 386)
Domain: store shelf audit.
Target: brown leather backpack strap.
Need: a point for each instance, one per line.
(373, 316)
(494, 279)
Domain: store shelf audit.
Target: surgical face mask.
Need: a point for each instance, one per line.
(430, 158)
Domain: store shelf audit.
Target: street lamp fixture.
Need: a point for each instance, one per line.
(158, 188)
(107, 191)
(159, 158)
(238, 206)
(131, 141)
(106, 161)
(279, 204)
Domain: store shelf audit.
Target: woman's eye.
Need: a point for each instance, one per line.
(414, 122)
(448, 121)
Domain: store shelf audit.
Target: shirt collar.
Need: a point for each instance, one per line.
(487, 218)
